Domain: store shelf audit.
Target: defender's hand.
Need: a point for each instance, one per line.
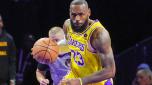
(44, 82)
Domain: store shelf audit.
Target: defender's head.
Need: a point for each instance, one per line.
(56, 33)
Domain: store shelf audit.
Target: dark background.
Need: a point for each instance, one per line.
(128, 21)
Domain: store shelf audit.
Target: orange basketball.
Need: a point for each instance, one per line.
(45, 49)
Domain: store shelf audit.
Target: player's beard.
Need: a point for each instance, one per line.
(79, 28)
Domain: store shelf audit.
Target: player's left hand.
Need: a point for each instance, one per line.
(75, 81)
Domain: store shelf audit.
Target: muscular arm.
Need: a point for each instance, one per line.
(40, 73)
(102, 43)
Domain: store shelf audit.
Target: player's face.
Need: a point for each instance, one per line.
(79, 14)
(1, 22)
(57, 37)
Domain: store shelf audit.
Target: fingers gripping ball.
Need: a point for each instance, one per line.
(45, 50)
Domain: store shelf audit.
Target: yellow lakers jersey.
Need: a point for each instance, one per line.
(83, 61)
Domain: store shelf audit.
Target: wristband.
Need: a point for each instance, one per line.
(80, 81)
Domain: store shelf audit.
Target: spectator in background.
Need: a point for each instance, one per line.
(143, 75)
(26, 64)
(7, 57)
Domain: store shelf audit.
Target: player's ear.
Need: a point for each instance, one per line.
(89, 12)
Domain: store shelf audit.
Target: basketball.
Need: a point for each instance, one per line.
(45, 50)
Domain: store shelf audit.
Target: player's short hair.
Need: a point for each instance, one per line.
(55, 30)
(79, 2)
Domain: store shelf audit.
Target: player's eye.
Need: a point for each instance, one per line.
(74, 14)
(56, 40)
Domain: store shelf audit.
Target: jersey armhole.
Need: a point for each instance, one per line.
(90, 47)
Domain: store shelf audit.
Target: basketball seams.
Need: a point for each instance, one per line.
(45, 46)
(49, 43)
(46, 49)
(51, 50)
(42, 51)
(38, 52)
(50, 57)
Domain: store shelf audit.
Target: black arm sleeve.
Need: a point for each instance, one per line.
(42, 67)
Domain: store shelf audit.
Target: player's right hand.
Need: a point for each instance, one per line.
(44, 82)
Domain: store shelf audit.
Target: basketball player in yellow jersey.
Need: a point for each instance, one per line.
(92, 60)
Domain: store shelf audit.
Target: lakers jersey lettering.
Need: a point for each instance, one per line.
(76, 43)
(82, 59)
